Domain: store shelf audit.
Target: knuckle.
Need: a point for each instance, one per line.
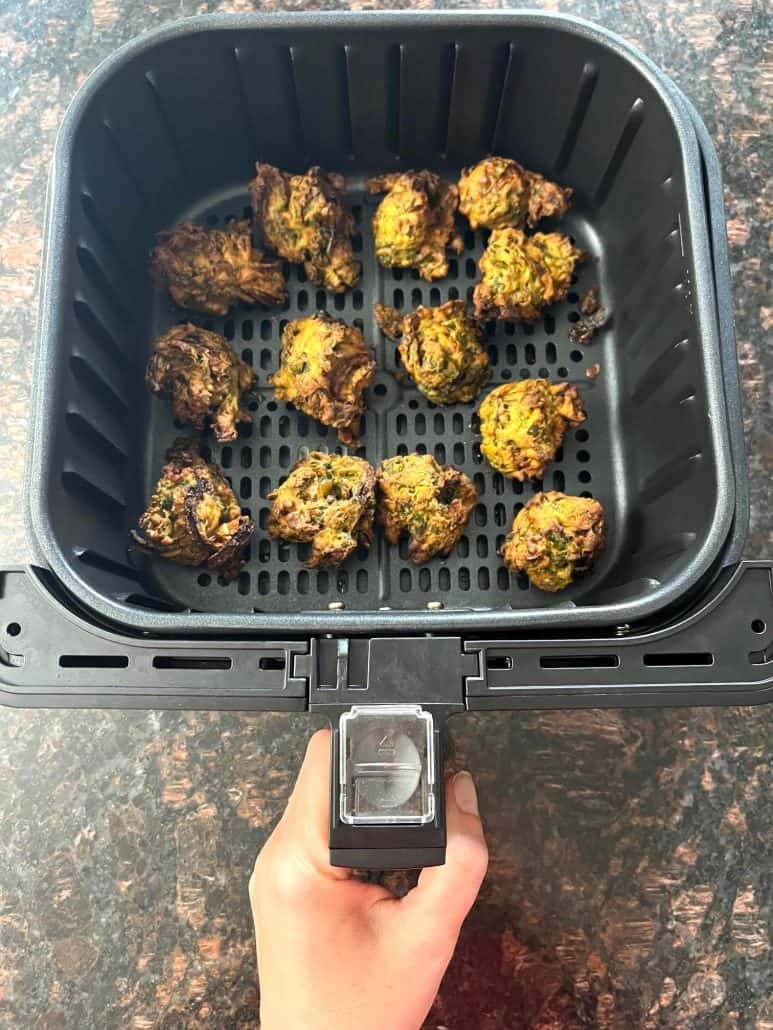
(287, 884)
(282, 878)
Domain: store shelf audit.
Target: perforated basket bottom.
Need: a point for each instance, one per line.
(398, 420)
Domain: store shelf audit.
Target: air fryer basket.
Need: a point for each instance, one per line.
(170, 127)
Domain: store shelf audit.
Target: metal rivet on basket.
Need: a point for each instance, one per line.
(336, 606)
(385, 608)
(435, 605)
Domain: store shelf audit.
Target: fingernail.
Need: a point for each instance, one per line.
(465, 794)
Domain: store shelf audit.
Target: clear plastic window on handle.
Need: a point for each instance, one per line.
(387, 765)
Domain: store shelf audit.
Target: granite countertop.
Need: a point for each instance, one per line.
(630, 880)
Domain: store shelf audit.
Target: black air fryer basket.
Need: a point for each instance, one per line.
(170, 128)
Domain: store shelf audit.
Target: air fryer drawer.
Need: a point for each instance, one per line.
(170, 127)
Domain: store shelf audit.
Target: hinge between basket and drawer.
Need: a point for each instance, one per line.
(426, 670)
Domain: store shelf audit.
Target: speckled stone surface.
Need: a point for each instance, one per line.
(631, 852)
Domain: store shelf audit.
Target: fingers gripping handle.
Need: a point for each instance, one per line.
(386, 804)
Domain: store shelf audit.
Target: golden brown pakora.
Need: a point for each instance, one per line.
(193, 517)
(555, 539)
(329, 501)
(414, 224)
(498, 192)
(324, 371)
(304, 219)
(213, 269)
(521, 275)
(441, 349)
(430, 503)
(522, 425)
(205, 378)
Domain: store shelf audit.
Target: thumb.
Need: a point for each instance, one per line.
(446, 893)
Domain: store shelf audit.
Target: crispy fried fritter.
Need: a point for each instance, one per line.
(522, 425)
(497, 192)
(193, 517)
(521, 275)
(328, 500)
(441, 349)
(555, 539)
(204, 376)
(304, 219)
(212, 269)
(429, 502)
(324, 370)
(414, 223)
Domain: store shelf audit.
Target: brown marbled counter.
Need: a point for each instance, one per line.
(631, 879)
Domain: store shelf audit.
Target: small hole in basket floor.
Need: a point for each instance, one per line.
(13, 629)
(758, 626)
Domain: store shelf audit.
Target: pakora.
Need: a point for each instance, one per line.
(414, 224)
(521, 275)
(498, 192)
(430, 503)
(441, 349)
(522, 425)
(213, 269)
(328, 500)
(324, 371)
(555, 539)
(193, 517)
(304, 219)
(206, 379)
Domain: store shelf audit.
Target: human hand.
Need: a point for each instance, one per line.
(335, 953)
